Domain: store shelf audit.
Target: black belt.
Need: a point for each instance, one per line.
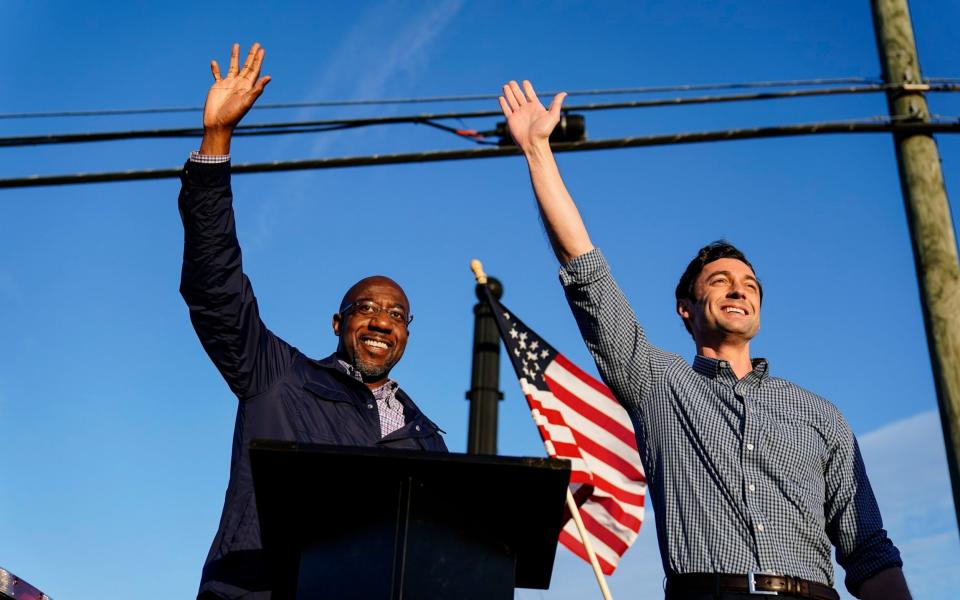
(751, 583)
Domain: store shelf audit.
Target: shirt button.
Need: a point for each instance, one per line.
(749, 446)
(760, 527)
(417, 427)
(369, 406)
(752, 487)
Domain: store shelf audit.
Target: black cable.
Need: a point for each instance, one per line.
(321, 125)
(462, 98)
(885, 126)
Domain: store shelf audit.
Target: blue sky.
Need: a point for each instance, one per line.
(118, 428)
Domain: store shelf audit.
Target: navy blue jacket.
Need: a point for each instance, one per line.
(283, 394)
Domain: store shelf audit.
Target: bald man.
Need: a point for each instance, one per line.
(347, 398)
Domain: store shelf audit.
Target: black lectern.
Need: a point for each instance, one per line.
(368, 523)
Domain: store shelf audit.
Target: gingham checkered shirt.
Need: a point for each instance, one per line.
(389, 408)
(755, 474)
(209, 159)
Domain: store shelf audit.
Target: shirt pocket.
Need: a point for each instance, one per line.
(796, 466)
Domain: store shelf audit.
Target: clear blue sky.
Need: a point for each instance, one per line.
(117, 428)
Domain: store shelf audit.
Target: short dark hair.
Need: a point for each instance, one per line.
(709, 253)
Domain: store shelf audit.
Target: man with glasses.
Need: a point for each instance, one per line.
(346, 398)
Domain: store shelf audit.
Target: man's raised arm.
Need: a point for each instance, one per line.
(531, 125)
(222, 306)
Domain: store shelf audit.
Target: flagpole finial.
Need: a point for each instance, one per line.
(477, 267)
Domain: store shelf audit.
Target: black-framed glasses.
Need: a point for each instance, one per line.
(368, 308)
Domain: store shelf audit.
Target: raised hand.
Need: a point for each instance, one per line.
(529, 122)
(230, 98)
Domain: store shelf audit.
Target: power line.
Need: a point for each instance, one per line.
(319, 126)
(461, 98)
(884, 126)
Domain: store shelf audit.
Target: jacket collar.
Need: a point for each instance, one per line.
(411, 412)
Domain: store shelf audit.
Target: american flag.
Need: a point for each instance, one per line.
(579, 420)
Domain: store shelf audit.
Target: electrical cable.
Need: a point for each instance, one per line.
(336, 124)
(462, 98)
(882, 125)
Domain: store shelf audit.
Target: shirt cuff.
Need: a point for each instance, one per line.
(584, 268)
(208, 159)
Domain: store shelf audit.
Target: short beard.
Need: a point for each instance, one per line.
(372, 372)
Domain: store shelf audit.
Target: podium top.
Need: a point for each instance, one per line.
(303, 490)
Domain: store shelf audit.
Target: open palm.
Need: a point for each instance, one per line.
(231, 97)
(529, 122)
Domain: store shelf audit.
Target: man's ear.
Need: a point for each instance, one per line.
(337, 319)
(683, 308)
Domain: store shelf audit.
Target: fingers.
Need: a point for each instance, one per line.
(234, 60)
(258, 87)
(512, 103)
(215, 69)
(528, 90)
(556, 104)
(251, 96)
(517, 93)
(513, 96)
(257, 62)
(251, 57)
(507, 111)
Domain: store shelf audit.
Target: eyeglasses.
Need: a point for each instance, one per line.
(367, 308)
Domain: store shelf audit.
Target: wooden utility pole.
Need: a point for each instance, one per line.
(928, 216)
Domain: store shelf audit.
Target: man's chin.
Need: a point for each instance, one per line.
(372, 370)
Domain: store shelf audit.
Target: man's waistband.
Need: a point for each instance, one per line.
(760, 584)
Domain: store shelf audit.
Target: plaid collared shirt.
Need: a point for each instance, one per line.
(388, 407)
(755, 474)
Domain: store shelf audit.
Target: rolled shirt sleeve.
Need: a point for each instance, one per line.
(853, 520)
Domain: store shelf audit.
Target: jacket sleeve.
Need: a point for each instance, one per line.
(222, 306)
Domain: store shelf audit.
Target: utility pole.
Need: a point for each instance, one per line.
(484, 394)
(928, 215)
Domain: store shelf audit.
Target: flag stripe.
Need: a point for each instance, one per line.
(548, 405)
(560, 387)
(585, 387)
(617, 511)
(602, 454)
(573, 544)
(619, 493)
(599, 547)
(588, 393)
(611, 445)
(586, 377)
(609, 524)
(603, 533)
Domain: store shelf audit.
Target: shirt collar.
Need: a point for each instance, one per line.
(713, 368)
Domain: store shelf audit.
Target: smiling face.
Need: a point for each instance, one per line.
(372, 341)
(725, 303)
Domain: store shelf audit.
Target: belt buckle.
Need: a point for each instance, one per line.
(752, 584)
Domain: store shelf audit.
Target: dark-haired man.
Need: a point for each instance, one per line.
(752, 477)
(346, 398)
